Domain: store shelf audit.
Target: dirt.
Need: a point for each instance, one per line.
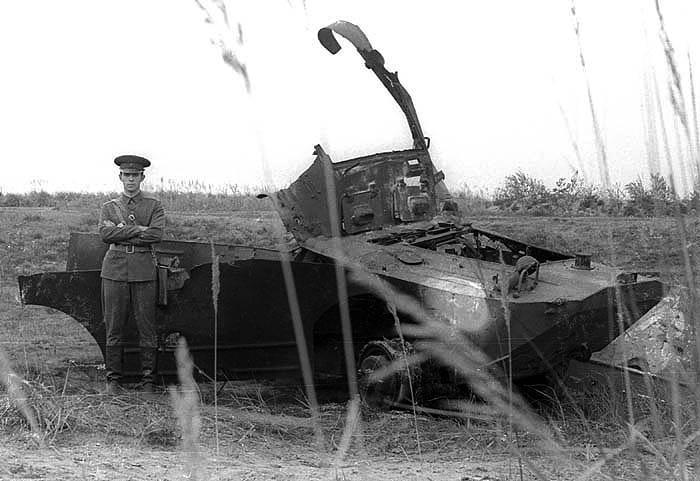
(103, 457)
(105, 461)
(130, 464)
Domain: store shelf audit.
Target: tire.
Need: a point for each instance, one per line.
(390, 389)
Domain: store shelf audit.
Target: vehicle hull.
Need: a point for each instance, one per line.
(254, 333)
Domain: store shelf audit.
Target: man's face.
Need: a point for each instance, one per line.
(132, 181)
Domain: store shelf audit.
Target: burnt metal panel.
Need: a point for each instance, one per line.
(255, 337)
(76, 293)
(304, 205)
(540, 253)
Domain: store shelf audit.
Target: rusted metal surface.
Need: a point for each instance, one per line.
(646, 390)
(397, 225)
(372, 193)
(656, 344)
(567, 312)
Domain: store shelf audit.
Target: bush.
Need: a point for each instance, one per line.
(575, 196)
(470, 201)
(520, 191)
(658, 199)
(655, 197)
(525, 194)
(10, 200)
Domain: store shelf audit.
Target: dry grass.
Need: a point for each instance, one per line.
(252, 418)
(258, 413)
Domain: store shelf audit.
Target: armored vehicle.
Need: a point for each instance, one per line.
(381, 245)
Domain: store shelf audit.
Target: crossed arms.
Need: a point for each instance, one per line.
(113, 230)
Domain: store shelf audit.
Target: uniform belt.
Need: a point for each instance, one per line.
(128, 248)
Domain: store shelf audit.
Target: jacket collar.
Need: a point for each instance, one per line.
(136, 198)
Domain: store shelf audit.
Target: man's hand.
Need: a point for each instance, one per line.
(109, 223)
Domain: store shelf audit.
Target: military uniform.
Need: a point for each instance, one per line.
(129, 274)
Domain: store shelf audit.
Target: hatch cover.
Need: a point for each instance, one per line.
(410, 258)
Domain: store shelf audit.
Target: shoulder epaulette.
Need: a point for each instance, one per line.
(149, 195)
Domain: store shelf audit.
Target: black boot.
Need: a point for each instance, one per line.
(148, 370)
(113, 366)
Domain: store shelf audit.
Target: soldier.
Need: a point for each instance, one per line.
(130, 224)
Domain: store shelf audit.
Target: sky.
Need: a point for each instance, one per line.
(498, 87)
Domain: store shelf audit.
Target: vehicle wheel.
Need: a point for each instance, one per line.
(383, 390)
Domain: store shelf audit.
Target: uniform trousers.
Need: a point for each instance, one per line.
(121, 297)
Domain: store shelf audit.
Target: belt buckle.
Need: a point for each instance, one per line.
(130, 249)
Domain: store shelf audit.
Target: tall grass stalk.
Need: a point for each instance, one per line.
(298, 327)
(623, 319)
(678, 102)
(215, 289)
(662, 128)
(677, 425)
(391, 306)
(620, 318)
(574, 144)
(230, 41)
(353, 421)
(650, 132)
(686, 181)
(13, 385)
(224, 35)
(185, 401)
(694, 107)
(300, 338)
(440, 341)
(506, 314)
(353, 418)
(675, 85)
(600, 145)
(677, 98)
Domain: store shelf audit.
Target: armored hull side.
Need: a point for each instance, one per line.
(252, 333)
(567, 314)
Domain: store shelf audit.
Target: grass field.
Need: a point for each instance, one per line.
(259, 431)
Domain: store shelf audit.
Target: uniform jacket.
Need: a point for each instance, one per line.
(118, 225)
